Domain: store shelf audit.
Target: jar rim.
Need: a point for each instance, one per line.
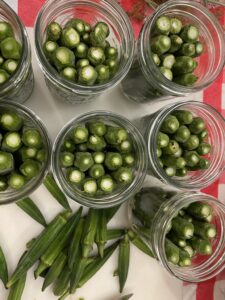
(152, 132)
(50, 72)
(31, 186)
(116, 197)
(146, 61)
(206, 270)
(26, 53)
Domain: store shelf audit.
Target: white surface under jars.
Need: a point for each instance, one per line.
(147, 279)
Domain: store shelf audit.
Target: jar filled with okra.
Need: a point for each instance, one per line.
(16, 75)
(25, 151)
(99, 159)
(184, 230)
(185, 144)
(84, 47)
(180, 50)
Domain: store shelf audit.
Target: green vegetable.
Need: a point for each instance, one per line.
(201, 246)
(10, 65)
(11, 142)
(156, 59)
(66, 159)
(115, 135)
(16, 181)
(183, 134)
(83, 161)
(184, 117)
(63, 57)
(139, 243)
(75, 242)
(123, 262)
(49, 48)
(27, 153)
(87, 75)
(90, 186)
(80, 135)
(182, 228)
(113, 161)
(175, 26)
(62, 283)
(5, 30)
(204, 230)
(3, 183)
(17, 289)
(90, 228)
(170, 124)
(166, 72)
(96, 171)
(192, 158)
(184, 64)
(75, 176)
(187, 49)
(96, 55)
(186, 79)
(176, 43)
(32, 138)
(96, 143)
(112, 234)
(30, 168)
(129, 159)
(171, 148)
(70, 38)
(199, 48)
(77, 24)
(77, 272)
(199, 210)
(10, 48)
(101, 233)
(54, 31)
(6, 162)
(163, 25)
(55, 270)
(93, 267)
(168, 61)
(160, 44)
(169, 161)
(162, 140)
(197, 125)
(4, 76)
(103, 73)
(30, 208)
(185, 259)
(53, 188)
(123, 175)
(179, 242)
(69, 73)
(192, 142)
(111, 52)
(40, 245)
(189, 33)
(203, 148)
(81, 50)
(172, 252)
(3, 268)
(96, 128)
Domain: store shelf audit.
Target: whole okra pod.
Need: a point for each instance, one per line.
(124, 260)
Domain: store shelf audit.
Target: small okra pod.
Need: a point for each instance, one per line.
(182, 228)
(139, 243)
(4, 76)
(87, 75)
(5, 30)
(160, 44)
(123, 261)
(70, 38)
(11, 48)
(199, 210)
(186, 79)
(170, 125)
(49, 48)
(55, 270)
(77, 272)
(63, 57)
(175, 26)
(61, 284)
(75, 242)
(77, 24)
(189, 33)
(40, 245)
(112, 234)
(176, 43)
(3, 268)
(163, 25)
(202, 246)
(29, 207)
(172, 252)
(54, 31)
(101, 233)
(17, 289)
(69, 73)
(185, 259)
(53, 188)
(58, 244)
(96, 265)
(115, 135)
(89, 232)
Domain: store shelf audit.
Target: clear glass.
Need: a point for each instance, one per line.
(203, 267)
(20, 85)
(119, 195)
(92, 11)
(145, 82)
(215, 123)
(32, 121)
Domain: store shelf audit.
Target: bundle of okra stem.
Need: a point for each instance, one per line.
(64, 249)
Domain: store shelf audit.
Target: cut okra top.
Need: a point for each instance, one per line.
(97, 158)
(80, 52)
(174, 47)
(22, 151)
(10, 52)
(182, 144)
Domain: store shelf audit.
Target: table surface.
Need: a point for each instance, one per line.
(147, 279)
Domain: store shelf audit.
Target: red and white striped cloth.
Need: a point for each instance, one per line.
(213, 289)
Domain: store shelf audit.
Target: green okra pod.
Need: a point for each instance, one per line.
(55, 270)
(139, 243)
(29, 207)
(40, 245)
(75, 243)
(89, 232)
(53, 188)
(96, 265)
(101, 233)
(62, 283)
(77, 272)
(3, 268)
(17, 289)
(112, 234)
(58, 243)
(172, 252)
(123, 261)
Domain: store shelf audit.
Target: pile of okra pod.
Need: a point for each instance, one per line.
(10, 52)
(97, 158)
(182, 144)
(22, 152)
(80, 52)
(64, 249)
(174, 47)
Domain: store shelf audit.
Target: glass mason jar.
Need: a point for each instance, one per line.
(121, 36)
(119, 195)
(215, 124)
(32, 121)
(160, 207)
(145, 82)
(20, 85)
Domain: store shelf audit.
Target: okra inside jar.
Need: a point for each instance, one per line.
(176, 53)
(185, 144)
(24, 152)
(99, 159)
(184, 230)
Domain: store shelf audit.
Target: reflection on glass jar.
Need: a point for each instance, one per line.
(155, 210)
(91, 11)
(20, 85)
(215, 135)
(145, 82)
